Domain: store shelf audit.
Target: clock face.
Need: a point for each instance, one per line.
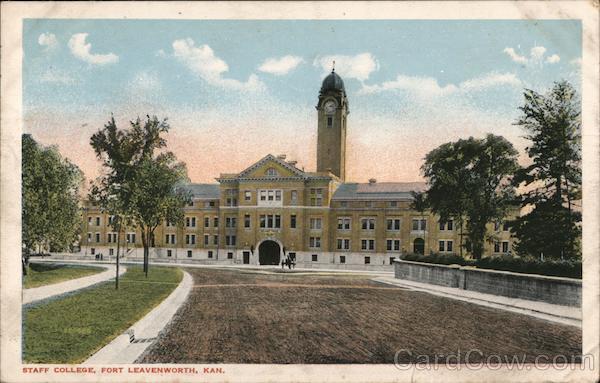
(329, 107)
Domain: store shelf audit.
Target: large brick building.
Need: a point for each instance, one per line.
(273, 209)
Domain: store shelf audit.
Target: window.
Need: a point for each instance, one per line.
(190, 221)
(367, 260)
(230, 240)
(393, 204)
(505, 246)
(170, 224)
(393, 224)
(190, 239)
(210, 254)
(271, 172)
(216, 240)
(189, 253)
(447, 225)
(419, 224)
(293, 221)
(269, 197)
(170, 239)
(246, 220)
(294, 196)
(206, 239)
(97, 221)
(111, 237)
(130, 237)
(111, 251)
(316, 223)
(216, 222)
(505, 226)
(315, 258)
(343, 244)
(343, 223)
(344, 204)
(169, 253)
(316, 197)
(342, 259)
(445, 246)
(314, 242)
(111, 219)
(97, 237)
(230, 222)
(367, 244)
(92, 251)
(367, 223)
(89, 237)
(329, 121)
(206, 222)
(247, 195)
(496, 247)
(231, 201)
(230, 255)
(89, 220)
(368, 203)
(270, 221)
(209, 204)
(393, 245)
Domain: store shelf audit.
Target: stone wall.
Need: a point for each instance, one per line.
(555, 290)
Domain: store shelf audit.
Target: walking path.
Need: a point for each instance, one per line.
(556, 313)
(129, 346)
(44, 292)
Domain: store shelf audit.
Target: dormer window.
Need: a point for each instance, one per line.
(271, 172)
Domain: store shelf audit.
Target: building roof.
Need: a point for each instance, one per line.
(203, 191)
(377, 190)
(333, 82)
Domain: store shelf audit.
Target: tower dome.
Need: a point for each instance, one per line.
(333, 82)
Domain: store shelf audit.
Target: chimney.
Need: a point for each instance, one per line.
(281, 156)
(372, 181)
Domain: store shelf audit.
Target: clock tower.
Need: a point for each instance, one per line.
(331, 134)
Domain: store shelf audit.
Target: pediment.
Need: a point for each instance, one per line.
(271, 167)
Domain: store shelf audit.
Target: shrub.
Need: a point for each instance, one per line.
(528, 265)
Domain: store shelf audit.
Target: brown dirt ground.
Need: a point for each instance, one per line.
(243, 317)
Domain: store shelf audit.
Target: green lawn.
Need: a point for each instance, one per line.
(41, 274)
(72, 329)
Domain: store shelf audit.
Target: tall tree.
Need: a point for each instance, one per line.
(552, 182)
(469, 181)
(127, 154)
(51, 218)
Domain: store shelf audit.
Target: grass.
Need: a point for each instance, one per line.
(41, 274)
(241, 317)
(71, 329)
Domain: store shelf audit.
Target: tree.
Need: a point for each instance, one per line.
(553, 180)
(157, 196)
(129, 156)
(469, 181)
(51, 218)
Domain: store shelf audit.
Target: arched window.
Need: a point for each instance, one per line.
(271, 172)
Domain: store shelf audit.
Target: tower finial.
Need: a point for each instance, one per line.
(333, 67)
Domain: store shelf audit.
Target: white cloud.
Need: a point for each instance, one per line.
(82, 50)
(202, 61)
(576, 62)
(428, 87)
(48, 41)
(536, 56)
(280, 66)
(358, 67)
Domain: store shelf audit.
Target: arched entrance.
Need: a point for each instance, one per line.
(419, 246)
(268, 253)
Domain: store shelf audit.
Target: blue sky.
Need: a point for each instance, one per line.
(237, 90)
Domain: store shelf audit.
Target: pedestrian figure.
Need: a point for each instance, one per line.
(282, 264)
(289, 263)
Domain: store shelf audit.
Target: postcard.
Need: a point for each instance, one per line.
(300, 191)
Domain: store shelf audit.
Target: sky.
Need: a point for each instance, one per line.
(236, 90)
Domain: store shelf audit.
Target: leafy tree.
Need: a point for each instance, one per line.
(469, 181)
(553, 180)
(51, 218)
(129, 156)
